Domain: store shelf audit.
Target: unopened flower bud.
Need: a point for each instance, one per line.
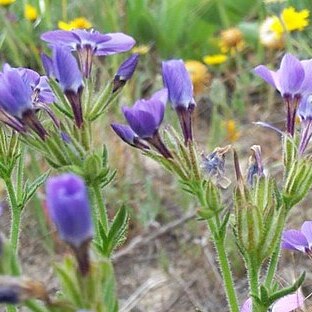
(125, 71)
(255, 164)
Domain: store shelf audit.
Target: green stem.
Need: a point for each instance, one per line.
(15, 214)
(225, 269)
(272, 266)
(101, 212)
(10, 308)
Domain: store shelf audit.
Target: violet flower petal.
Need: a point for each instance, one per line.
(69, 208)
(66, 69)
(294, 240)
(267, 75)
(178, 82)
(118, 42)
(124, 132)
(291, 74)
(306, 230)
(64, 37)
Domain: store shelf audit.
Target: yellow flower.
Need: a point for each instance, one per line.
(199, 75)
(232, 133)
(268, 37)
(6, 2)
(215, 59)
(292, 20)
(231, 40)
(30, 12)
(141, 49)
(79, 22)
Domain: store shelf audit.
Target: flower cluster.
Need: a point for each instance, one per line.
(145, 116)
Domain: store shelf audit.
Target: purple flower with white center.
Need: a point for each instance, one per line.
(300, 240)
(286, 304)
(180, 90)
(144, 119)
(69, 207)
(64, 68)
(89, 43)
(129, 136)
(305, 114)
(125, 71)
(292, 80)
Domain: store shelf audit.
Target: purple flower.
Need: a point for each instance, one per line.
(125, 71)
(180, 89)
(17, 108)
(89, 43)
(128, 135)
(144, 119)
(64, 68)
(305, 114)
(292, 80)
(285, 304)
(69, 207)
(299, 240)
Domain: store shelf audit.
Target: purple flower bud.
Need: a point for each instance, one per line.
(64, 68)
(69, 208)
(128, 136)
(180, 89)
(89, 43)
(125, 71)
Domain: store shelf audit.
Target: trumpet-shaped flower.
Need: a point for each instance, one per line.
(144, 119)
(64, 68)
(292, 80)
(180, 90)
(286, 304)
(89, 43)
(69, 208)
(300, 240)
(125, 71)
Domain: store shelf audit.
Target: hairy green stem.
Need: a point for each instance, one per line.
(225, 269)
(272, 266)
(102, 212)
(15, 214)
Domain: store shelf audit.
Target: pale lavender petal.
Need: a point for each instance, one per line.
(63, 37)
(161, 95)
(294, 240)
(247, 306)
(291, 75)
(66, 69)
(92, 38)
(118, 42)
(47, 65)
(266, 74)
(306, 86)
(306, 230)
(289, 303)
(45, 93)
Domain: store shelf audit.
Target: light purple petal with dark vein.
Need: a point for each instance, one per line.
(294, 240)
(306, 86)
(290, 75)
(247, 306)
